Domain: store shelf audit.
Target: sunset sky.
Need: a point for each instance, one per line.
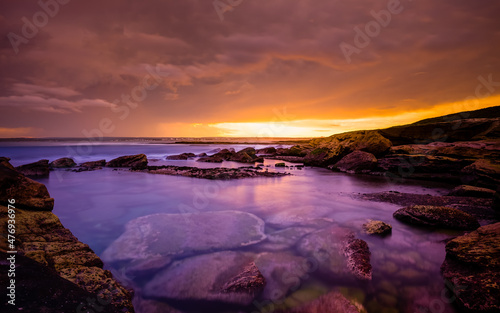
(272, 68)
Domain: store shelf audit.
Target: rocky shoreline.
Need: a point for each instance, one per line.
(175, 250)
(56, 259)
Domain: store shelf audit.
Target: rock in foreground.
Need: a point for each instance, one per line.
(435, 216)
(338, 252)
(216, 277)
(139, 161)
(168, 235)
(28, 193)
(39, 168)
(472, 191)
(377, 228)
(333, 302)
(472, 265)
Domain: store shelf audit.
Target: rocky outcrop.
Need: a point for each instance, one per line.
(227, 277)
(39, 168)
(182, 156)
(377, 228)
(472, 265)
(247, 155)
(176, 235)
(139, 161)
(327, 151)
(28, 193)
(481, 208)
(53, 293)
(482, 172)
(338, 252)
(213, 173)
(472, 191)
(434, 216)
(40, 236)
(357, 162)
(464, 129)
(5, 162)
(62, 163)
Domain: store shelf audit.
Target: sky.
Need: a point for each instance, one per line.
(256, 68)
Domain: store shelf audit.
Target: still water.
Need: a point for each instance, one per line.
(96, 205)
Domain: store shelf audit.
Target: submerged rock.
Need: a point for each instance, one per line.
(436, 216)
(472, 266)
(377, 228)
(282, 271)
(27, 193)
(39, 168)
(472, 191)
(331, 302)
(357, 162)
(338, 252)
(213, 173)
(62, 163)
(227, 277)
(139, 161)
(167, 235)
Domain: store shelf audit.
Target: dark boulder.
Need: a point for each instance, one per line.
(62, 163)
(472, 191)
(39, 168)
(357, 162)
(183, 156)
(482, 173)
(139, 161)
(27, 193)
(435, 216)
(472, 266)
(268, 150)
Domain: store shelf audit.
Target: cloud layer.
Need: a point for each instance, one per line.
(92, 56)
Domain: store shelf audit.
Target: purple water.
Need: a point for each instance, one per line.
(96, 205)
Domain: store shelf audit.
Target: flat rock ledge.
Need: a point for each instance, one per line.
(436, 216)
(213, 173)
(472, 266)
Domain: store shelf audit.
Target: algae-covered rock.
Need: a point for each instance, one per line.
(435, 216)
(472, 266)
(377, 228)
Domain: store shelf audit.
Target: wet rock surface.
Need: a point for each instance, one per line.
(472, 191)
(213, 173)
(92, 164)
(62, 163)
(167, 235)
(377, 228)
(436, 216)
(357, 162)
(139, 161)
(39, 168)
(28, 193)
(40, 236)
(41, 289)
(331, 302)
(182, 156)
(472, 264)
(478, 207)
